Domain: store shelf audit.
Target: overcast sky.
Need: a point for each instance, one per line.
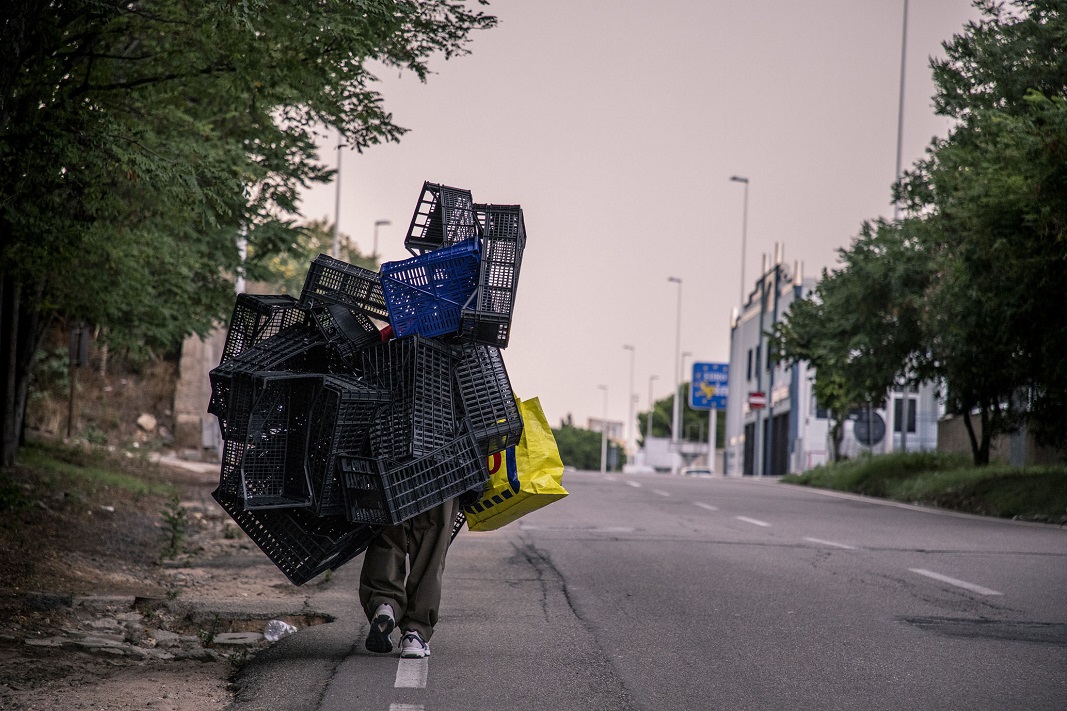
(617, 124)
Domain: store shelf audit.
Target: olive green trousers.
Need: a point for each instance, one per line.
(404, 568)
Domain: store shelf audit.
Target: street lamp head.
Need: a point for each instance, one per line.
(739, 179)
(675, 280)
(628, 347)
(382, 223)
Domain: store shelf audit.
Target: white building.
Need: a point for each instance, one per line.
(790, 433)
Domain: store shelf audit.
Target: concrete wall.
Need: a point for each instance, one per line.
(1017, 449)
(196, 435)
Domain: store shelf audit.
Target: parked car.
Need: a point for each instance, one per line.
(696, 471)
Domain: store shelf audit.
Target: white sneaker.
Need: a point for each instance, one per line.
(380, 628)
(412, 646)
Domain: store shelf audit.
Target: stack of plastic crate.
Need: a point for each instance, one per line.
(375, 396)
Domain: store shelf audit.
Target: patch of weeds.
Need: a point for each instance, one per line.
(230, 533)
(175, 527)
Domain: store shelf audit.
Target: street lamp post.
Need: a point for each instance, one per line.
(651, 413)
(744, 232)
(336, 251)
(681, 412)
(677, 382)
(630, 440)
(377, 224)
(604, 432)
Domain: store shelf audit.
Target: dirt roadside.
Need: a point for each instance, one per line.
(91, 617)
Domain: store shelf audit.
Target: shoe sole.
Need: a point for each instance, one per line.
(378, 637)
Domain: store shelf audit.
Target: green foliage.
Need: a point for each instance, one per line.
(286, 271)
(84, 472)
(578, 447)
(175, 527)
(139, 140)
(968, 289)
(694, 422)
(994, 203)
(861, 330)
(1036, 493)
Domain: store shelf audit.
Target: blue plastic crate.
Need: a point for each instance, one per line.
(425, 294)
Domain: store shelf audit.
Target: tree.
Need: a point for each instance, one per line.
(287, 270)
(993, 200)
(861, 330)
(139, 140)
(578, 447)
(694, 426)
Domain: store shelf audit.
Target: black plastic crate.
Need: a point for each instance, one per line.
(487, 316)
(417, 373)
(300, 543)
(341, 419)
(425, 294)
(443, 216)
(299, 348)
(347, 331)
(244, 390)
(485, 396)
(331, 281)
(258, 317)
(381, 492)
(274, 469)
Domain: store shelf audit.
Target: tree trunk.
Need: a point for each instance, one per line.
(23, 329)
(9, 314)
(837, 435)
(971, 435)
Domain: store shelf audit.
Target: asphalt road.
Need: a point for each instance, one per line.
(659, 592)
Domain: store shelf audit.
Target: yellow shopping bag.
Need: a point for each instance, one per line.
(522, 478)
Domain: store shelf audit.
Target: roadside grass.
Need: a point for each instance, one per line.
(80, 474)
(950, 482)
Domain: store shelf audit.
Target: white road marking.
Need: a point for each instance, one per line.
(609, 477)
(706, 507)
(821, 542)
(953, 581)
(660, 493)
(634, 484)
(753, 521)
(406, 707)
(412, 673)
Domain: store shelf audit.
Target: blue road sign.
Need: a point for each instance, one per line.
(708, 387)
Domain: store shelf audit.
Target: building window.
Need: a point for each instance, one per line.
(749, 375)
(898, 414)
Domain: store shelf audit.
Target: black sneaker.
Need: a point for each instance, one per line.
(380, 628)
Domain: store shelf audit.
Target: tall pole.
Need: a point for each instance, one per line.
(677, 382)
(651, 413)
(377, 224)
(631, 445)
(336, 252)
(604, 433)
(896, 216)
(681, 412)
(900, 104)
(744, 232)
